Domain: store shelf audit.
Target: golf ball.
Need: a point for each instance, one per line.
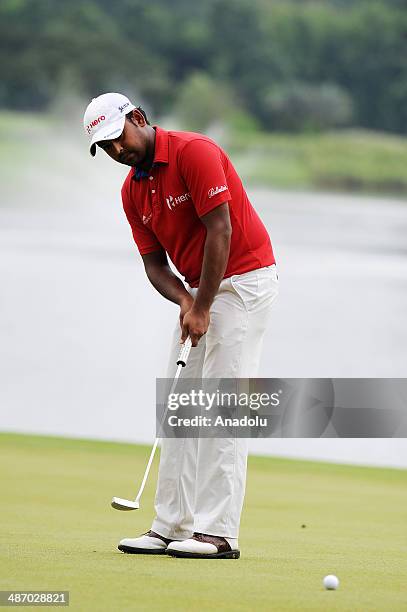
(331, 582)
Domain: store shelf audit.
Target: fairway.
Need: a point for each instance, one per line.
(302, 520)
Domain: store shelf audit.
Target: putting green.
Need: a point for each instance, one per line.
(302, 520)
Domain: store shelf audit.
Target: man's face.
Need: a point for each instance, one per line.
(131, 148)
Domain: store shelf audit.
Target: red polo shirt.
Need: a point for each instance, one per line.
(192, 175)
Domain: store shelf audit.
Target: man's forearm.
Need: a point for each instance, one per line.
(168, 284)
(216, 255)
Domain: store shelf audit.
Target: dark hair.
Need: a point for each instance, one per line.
(130, 115)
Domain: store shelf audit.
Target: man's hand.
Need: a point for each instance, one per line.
(195, 324)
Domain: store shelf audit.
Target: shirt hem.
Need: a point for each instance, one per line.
(249, 268)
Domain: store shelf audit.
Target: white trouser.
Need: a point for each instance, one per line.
(201, 481)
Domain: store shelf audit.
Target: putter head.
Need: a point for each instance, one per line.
(124, 504)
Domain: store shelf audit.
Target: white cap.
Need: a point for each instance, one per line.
(105, 116)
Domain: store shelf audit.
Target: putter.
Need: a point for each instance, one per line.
(118, 503)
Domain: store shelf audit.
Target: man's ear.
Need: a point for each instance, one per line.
(137, 117)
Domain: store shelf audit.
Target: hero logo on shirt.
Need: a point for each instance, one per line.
(147, 219)
(215, 190)
(172, 201)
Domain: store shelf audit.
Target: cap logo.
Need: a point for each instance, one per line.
(95, 122)
(121, 108)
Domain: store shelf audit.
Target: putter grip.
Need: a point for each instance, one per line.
(184, 352)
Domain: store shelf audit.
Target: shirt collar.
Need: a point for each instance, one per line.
(139, 173)
(160, 153)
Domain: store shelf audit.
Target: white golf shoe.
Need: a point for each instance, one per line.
(203, 546)
(149, 543)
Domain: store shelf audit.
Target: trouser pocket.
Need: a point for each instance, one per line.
(256, 286)
(247, 287)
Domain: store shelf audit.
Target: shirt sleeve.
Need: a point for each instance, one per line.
(144, 237)
(201, 165)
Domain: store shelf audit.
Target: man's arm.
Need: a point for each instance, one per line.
(195, 322)
(194, 315)
(166, 282)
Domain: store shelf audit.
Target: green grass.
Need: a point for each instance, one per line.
(22, 136)
(357, 161)
(34, 146)
(58, 532)
(37, 153)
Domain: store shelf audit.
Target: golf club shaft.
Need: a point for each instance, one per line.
(181, 362)
(150, 461)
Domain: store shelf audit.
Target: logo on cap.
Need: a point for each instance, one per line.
(95, 122)
(121, 108)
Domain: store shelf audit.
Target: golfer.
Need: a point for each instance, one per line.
(184, 200)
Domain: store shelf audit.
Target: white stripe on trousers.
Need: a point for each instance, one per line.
(201, 481)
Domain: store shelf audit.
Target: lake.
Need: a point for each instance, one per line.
(83, 334)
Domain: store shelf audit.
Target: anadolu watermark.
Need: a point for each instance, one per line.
(284, 408)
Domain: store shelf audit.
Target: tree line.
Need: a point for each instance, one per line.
(283, 64)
